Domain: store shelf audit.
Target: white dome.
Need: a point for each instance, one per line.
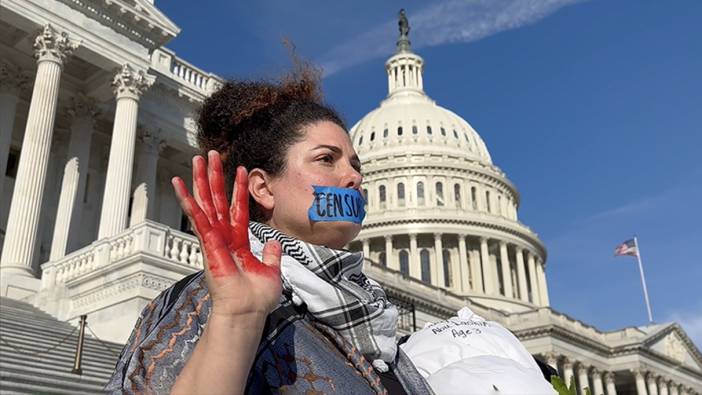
(439, 212)
(410, 118)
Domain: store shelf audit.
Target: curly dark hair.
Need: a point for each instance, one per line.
(253, 123)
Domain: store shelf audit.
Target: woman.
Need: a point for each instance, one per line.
(279, 306)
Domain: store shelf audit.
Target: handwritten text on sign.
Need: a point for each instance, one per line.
(337, 204)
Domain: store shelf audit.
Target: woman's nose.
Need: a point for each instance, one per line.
(352, 179)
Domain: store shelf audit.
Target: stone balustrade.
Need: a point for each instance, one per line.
(151, 238)
(166, 62)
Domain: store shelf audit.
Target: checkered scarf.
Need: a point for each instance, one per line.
(336, 292)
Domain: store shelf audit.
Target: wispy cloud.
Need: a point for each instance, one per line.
(442, 22)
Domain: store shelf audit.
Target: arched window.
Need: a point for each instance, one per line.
(414, 129)
(382, 259)
(365, 195)
(474, 197)
(499, 204)
(382, 196)
(455, 134)
(385, 132)
(360, 140)
(420, 193)
(426, 266)
(448, 279)
(372, 136)
(399, 130)
(457, 195)
(439, 194)
(443, 131)
(487, 201)
(428, 129)
(401, 194)
(404, 262)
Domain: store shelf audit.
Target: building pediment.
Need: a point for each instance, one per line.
(139, 20)
(672, 342)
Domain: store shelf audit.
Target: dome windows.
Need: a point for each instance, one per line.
(401, 194)
(443, 131)
(382, 197)
(399, 130)
(360, 140)
(426, 266)
(404, 263)
(447, 267)
(420, 193)
(474, 198)
(385, 133)
(414, 129)
(372, 136)
(455, 134)
(428, 129)
(457, 195)
(439, 194)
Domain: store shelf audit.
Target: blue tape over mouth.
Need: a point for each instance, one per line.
(337, 204)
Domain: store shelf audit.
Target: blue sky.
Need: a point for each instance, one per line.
(592, 108)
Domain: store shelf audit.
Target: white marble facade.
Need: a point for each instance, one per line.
(96, 116)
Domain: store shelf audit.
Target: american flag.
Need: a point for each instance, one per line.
(627, 248)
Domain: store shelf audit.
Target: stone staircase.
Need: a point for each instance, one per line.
(37, 353)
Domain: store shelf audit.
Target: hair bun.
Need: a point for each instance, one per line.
(224, 114)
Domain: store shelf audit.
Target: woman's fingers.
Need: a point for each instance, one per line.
(216, 176)
(190, 207)
(240, 207)
(201, 184)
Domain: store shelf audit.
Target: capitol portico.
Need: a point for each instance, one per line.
(97, 115)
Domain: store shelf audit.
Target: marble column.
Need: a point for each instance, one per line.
(640, 383)
(506, 270)
(662, 386)
(51, 50)
(533, 281)
(521, 276)
(476, 271)
(438, 276)
(674, 389)
(366, 248)
(652, 385)
(390, 261)
(464, 284)
(583, 381)
(567, 371)
(609, 383)
(82, 110)
(490, 288)
(129, 84)
(597, 389)
(415, 268)
(144, 197)
(543, 287)
(12, 81)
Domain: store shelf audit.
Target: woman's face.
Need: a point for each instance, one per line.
(324, 157)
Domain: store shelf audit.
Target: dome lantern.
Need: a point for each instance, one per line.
(405, 67)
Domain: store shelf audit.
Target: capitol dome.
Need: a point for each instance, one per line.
(439, 211)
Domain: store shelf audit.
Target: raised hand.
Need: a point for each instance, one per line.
(240, 285)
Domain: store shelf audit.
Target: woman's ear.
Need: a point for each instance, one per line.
(260, 189)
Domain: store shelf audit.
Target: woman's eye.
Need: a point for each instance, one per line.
(326, 159)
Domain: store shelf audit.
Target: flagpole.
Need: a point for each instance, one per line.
(643, 280)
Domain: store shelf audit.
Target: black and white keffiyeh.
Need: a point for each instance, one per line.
(336, 292)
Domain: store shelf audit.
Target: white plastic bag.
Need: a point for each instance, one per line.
(468, 355)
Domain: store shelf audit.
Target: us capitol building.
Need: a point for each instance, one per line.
(97, 115)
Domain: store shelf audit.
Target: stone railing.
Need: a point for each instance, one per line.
(150, 239)
(166, 62)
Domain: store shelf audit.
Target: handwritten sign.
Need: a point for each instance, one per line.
(337, 204)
